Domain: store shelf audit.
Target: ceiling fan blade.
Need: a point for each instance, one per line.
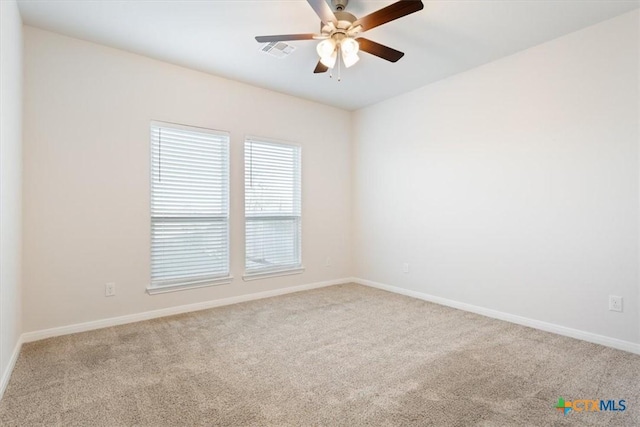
(379, 50)
(320, 68)
(389, 13)
(284, 37)
(323, 10)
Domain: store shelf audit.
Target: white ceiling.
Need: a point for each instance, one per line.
(445, 38)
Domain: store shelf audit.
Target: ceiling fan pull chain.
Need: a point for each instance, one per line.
(339, 61)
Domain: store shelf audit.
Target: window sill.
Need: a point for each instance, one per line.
(268, 274)
(155, 290)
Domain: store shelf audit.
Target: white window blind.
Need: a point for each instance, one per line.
(272, 206)
(189, 205)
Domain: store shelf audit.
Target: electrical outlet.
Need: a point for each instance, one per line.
(109, 289)
(405, 267)
(615, 303)
(327, 262)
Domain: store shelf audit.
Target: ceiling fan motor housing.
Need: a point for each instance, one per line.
(343, 26)
(345, 16)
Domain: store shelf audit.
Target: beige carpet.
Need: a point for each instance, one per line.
(339, 356)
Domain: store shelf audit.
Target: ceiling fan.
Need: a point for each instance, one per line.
(340, 33)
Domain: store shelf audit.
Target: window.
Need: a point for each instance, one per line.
(189, 207)
(272, 208)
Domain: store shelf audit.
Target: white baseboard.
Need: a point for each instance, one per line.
(169, 311)
(524, 321)
(6, 375)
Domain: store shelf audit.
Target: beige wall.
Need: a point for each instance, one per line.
(86, 186)
(513, 186)
(10, 182)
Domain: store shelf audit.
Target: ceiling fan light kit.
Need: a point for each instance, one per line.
(340, 39)
(329, 48)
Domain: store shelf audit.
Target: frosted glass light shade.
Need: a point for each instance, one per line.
(349, 60)
(329, 60)
(326, 47)
(349, 47)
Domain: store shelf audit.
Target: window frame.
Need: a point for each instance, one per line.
(192, 282)
(278, 271)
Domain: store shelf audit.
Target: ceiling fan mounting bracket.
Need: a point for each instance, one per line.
(339, 5)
